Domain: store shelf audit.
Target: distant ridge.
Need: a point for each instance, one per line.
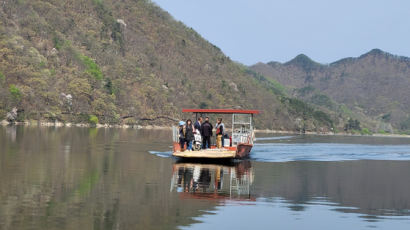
(303, 62)
(374, 87)
(303, 59)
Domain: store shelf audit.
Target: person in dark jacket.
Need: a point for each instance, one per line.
(182, 130)
(206, 132)
(189, 134)
(198, 123)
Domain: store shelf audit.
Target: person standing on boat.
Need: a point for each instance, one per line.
(197, 127)
(182, 130)
(189, 134)
(219, 133)
(198, 124)
(206, 132)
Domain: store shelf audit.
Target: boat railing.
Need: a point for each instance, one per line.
(242, 138)
(175, 134)
(242, 129)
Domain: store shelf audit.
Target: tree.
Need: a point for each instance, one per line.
(352, 125)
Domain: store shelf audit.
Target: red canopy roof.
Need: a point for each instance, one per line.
(229, 111)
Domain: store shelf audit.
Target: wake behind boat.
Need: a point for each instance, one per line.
(236, 145)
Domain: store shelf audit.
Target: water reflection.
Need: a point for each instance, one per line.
(372, 188)
(213, 181)
(11, 132)
(79, 178)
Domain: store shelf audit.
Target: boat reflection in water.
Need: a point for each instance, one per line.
(213, 181)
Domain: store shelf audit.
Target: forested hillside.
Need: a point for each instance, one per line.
(373, 89)
(127, 62)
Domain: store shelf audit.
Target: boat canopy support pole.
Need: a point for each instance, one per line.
(233, 126)
(251, 122)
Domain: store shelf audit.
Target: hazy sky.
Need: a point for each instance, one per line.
(250, 31)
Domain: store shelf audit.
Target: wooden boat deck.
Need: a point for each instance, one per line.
(207, 153)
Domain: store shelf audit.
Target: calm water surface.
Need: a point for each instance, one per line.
(81, 178)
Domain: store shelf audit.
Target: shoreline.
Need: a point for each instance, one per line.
(331, 133)
(158, 127)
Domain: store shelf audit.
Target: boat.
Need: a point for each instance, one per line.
(240, 141)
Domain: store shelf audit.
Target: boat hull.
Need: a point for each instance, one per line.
(241, 151)
(207, 154)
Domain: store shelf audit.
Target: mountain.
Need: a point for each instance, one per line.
(372, 88)
(126, 62)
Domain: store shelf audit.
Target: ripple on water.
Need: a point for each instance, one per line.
(161, 154)
(274, 138)
(278, 152)
(275, 151)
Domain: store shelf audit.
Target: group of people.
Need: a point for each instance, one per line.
(187, 130)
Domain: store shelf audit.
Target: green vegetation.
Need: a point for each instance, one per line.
(98, 2)
(273, 85)
(323, 117)
(365, 131)
(60, 44)
(110, 88)
(305, 91)
(381, 131)
(106, 61)
(386, 117)
(301, 108)
(345, 110)
(322, 100)
(93, 119)
(405, 125)
(353, 126)
(404, 132)
(15, 92)
(91, 67)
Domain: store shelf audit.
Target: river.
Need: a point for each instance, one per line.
(88, 178)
